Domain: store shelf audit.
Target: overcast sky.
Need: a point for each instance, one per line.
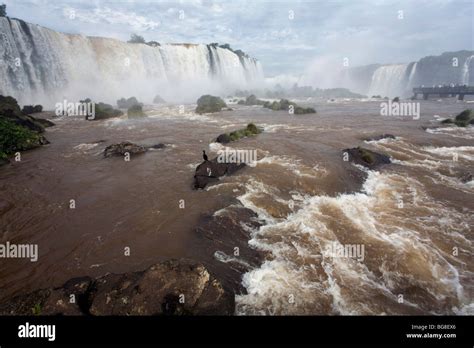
(286, 36)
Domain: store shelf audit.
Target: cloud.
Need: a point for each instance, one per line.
(288, 37)
(107, 15)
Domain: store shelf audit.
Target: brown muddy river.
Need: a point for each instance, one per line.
(414, 217)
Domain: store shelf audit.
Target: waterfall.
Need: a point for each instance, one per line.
(389, 80)
(465, 71)
(412, 75)
(44, 66)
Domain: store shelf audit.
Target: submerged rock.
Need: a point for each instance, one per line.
(157, 146)
(367, 158)
(123, 148)
(380, 137)
(210, 171)
(173, 287)
(466, 177)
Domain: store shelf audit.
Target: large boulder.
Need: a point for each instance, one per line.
(173, 287)
(210, 171)
(367, 158)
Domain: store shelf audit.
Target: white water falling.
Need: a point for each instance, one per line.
(412, 75)
(389, 80)
(45, 66)
(465, 71)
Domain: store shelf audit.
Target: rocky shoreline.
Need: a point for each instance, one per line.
(173, 287)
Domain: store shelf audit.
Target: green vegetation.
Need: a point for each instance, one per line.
(135, 111)
(251, 100)
(285, 104)
(104, 111)
(134, 38)
(36, 309)
(15, 138)
(3, 10)
(208, 103)
(396, 100)
(248, 131)
(127, 103)
(463, 119)
(18, 132)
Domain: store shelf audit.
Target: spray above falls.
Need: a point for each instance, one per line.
(45, 66)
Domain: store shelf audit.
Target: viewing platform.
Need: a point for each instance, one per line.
(444, 91)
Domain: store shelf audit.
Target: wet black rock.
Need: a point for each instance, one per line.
(366, 158)
(222, 235)
(44, 122)
(173, 287)
(223, 138)
(123, 148)
(210, 171)
(31, 109)
(157, 146)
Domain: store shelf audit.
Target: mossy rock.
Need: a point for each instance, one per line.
(15, 138)
(447, 121)
(250, 130)
(284, 104)
(104, 111)
(208, 103)
(466, 115)
(10, 110)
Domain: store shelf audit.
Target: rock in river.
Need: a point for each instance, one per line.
(210, 171)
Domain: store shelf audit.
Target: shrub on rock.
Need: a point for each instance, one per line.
(208, 103)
